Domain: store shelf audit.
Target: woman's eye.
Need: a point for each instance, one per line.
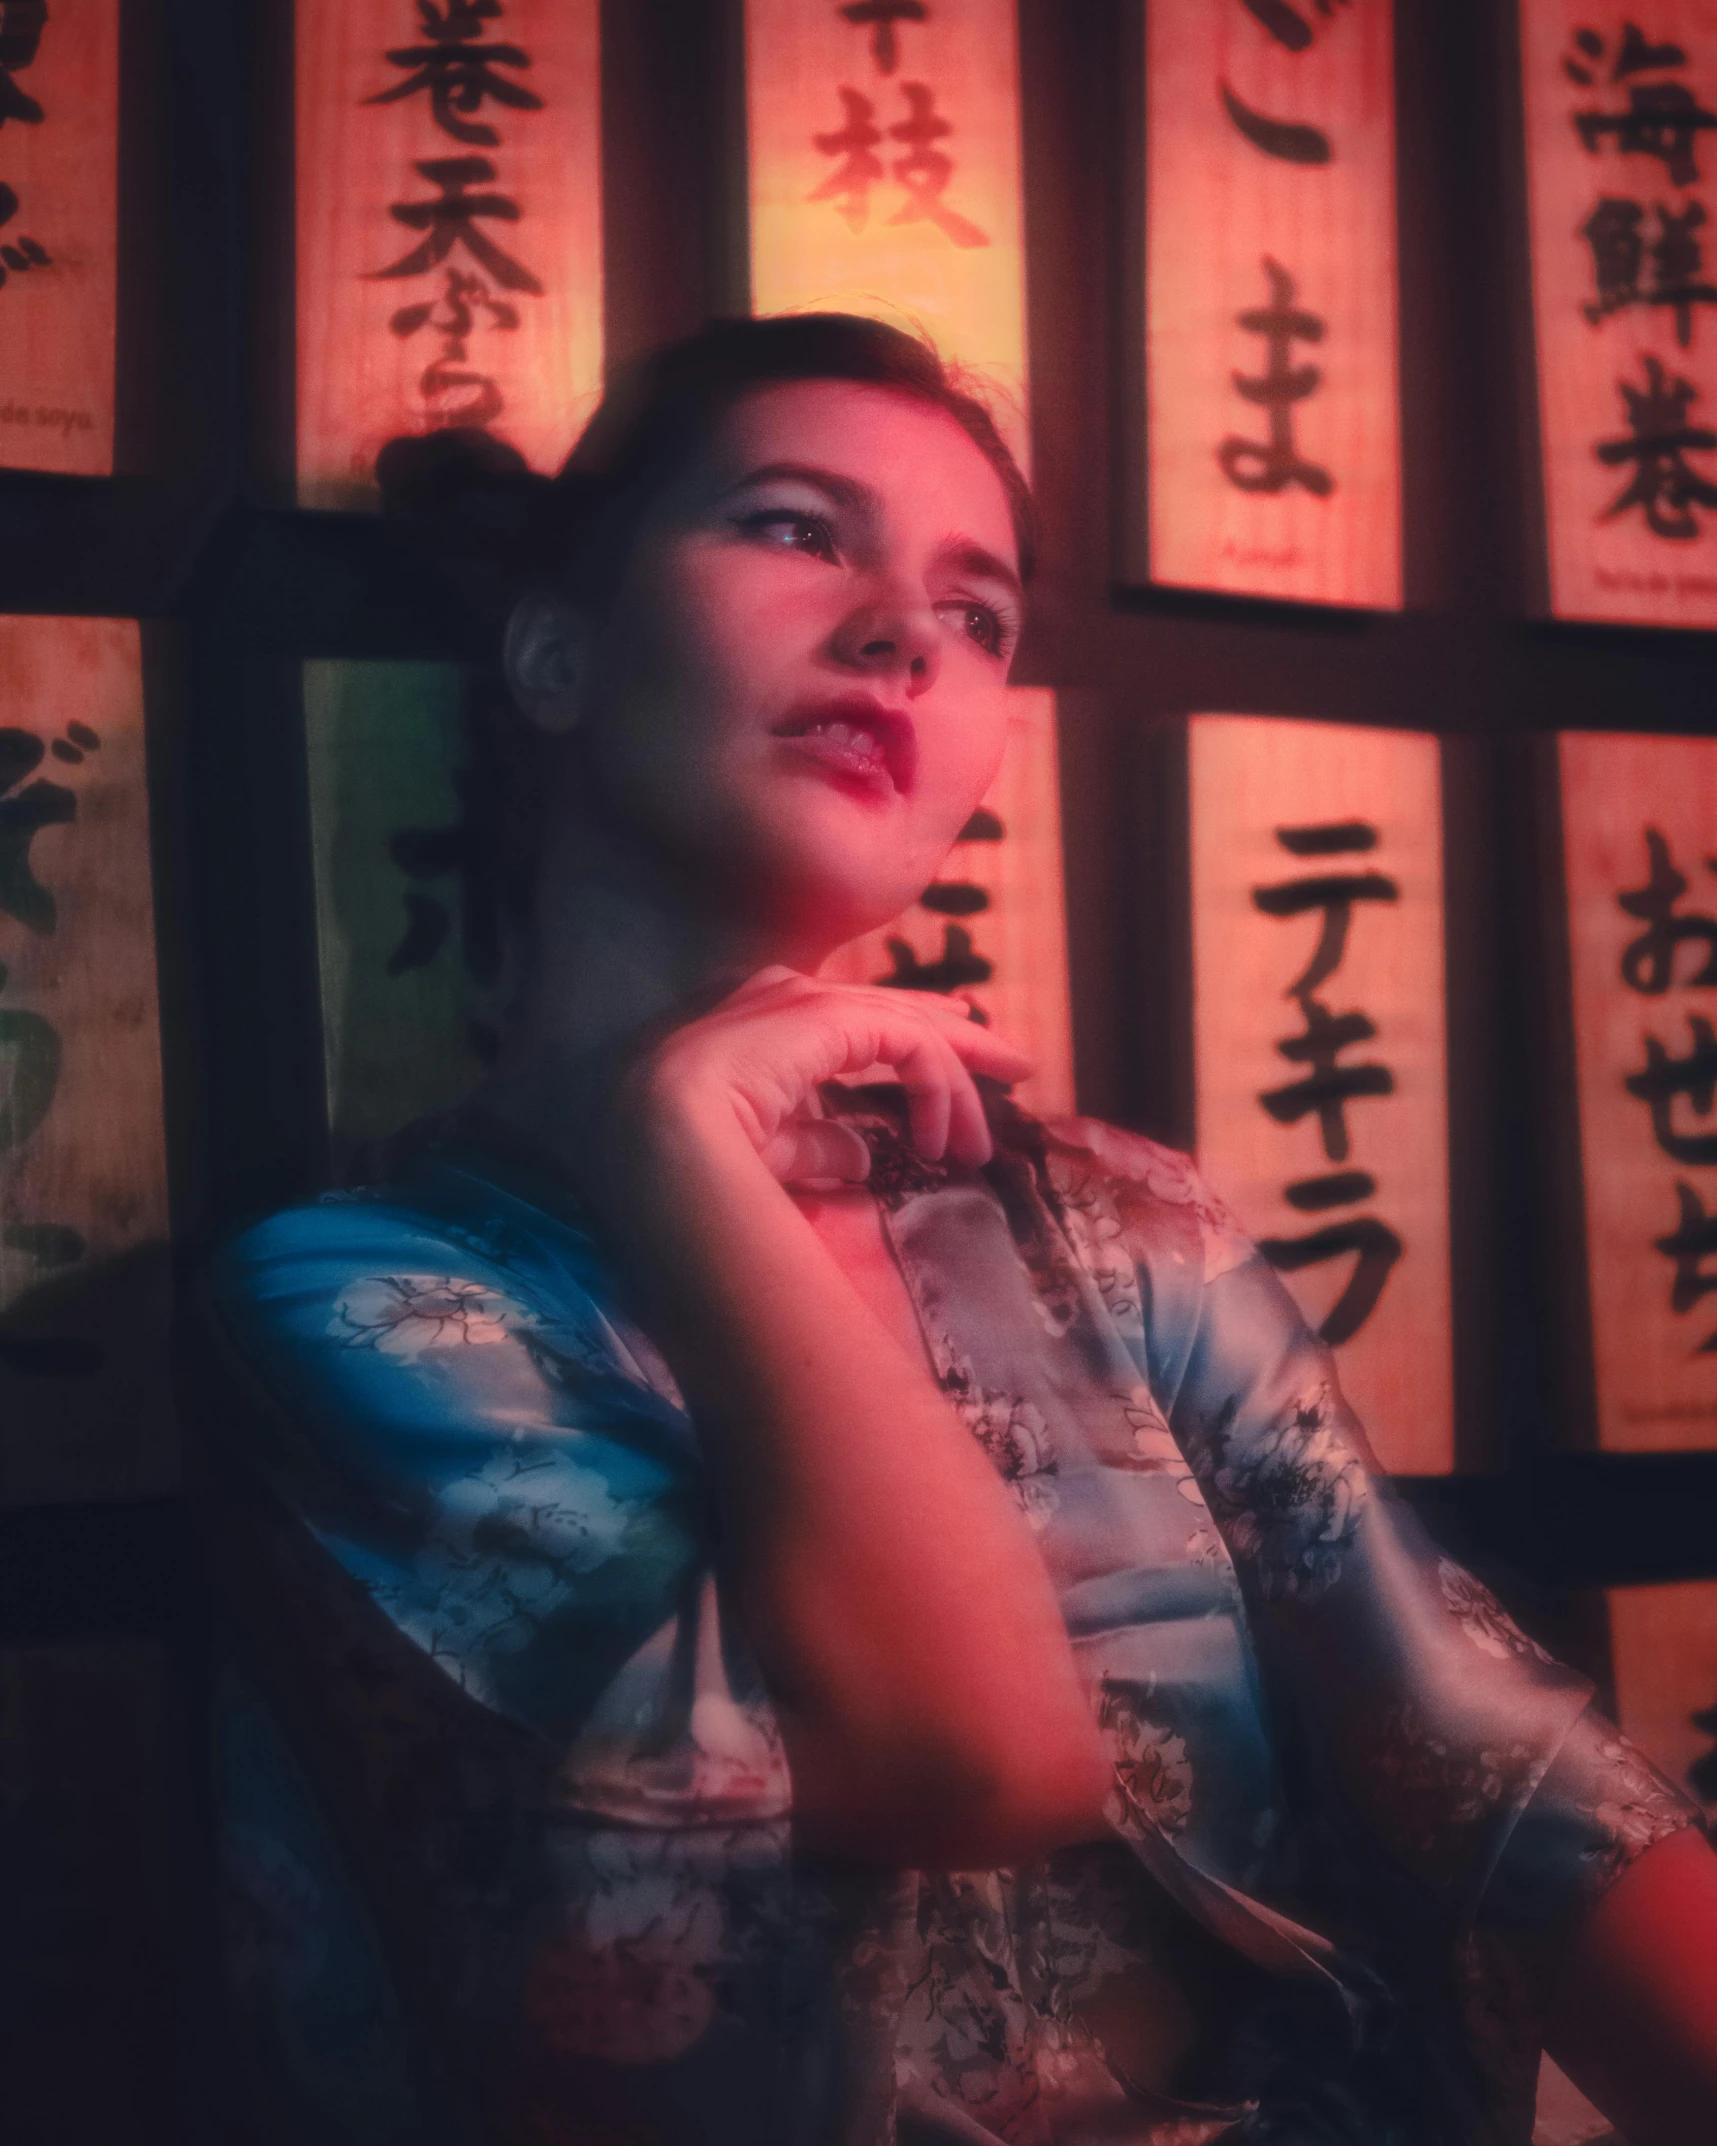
(789, 530)
(982, 625)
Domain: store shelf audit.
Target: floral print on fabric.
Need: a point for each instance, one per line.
(1482, 1617)
(1158, 1450)
(405, 1314)
(506, 1550)
(632, 1974)
(499, 1469)
(1641, 1809)
(1011, 1431)
(1167, 1178)
(1152, 1771)
(1096, 1235)
(1439, 1792)
(1288, 1498)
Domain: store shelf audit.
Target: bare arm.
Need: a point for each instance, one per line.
(902, 1617)
(1633, 2018)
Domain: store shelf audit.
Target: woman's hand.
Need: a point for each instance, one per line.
(897, 1604)
(755, 1064)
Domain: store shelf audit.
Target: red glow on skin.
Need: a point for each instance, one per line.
(837, 546)
(892, 761)
(1633, 2019)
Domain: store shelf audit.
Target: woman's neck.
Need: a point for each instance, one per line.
(613, 955)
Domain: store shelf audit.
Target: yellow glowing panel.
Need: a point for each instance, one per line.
(1623, 181)
(83, 1173)
(1274, 448)
(59, 162)
(1663, 1647)
(993, 928)
(1317, 885)
(1639, 826)
(449, 231)
(885, 174)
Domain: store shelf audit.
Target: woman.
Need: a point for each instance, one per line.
(822, 1612)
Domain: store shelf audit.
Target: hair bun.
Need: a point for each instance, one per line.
(473, 508)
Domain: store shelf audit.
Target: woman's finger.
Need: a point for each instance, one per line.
(762, 980)
(817, 1150)
(990, 1049)
(925, 1070)
(969, 1138)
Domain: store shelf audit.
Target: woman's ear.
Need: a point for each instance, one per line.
(546, 654)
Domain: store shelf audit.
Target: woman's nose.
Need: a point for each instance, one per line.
(892, 640)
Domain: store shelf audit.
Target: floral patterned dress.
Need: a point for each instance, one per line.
(507, 1812)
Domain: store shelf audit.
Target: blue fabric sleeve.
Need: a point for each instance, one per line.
(481, 1456)
(1466, 1757)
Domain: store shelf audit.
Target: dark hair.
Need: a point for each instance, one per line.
(471, 508)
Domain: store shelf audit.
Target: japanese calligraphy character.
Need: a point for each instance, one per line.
(1664, 1078)
(463, 397)
(1648, 963)
(1636, 55)
(1328, 1087)
(960, 964)
(1286, 24)
(883, 15)
(1618, 254)
(1259, 466)
(848, 187)
(458, 72)
(452, 219)
(1332, 1188)
(925, 172)
(1292, 141)
(21, 25)
(1378, 1248)
(454, 312)
(49, 1244)
(1663, 483)
(23, 252)
(954, 898)
(1333, 892)
(425, 853)
(1615, 234)
(1663, 119)
(1693, 1240)
(32, 1045)
(458, 396)
(1676, 259)
(22, 818)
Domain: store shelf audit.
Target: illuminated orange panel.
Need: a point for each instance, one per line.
(1639, 823)
(83, 1176)
(1270, 300)
(449, 234)
(1317, 885)
(59, 163)
(1623, 205)
(1663, 1646)
(998, 908)
(885, 174)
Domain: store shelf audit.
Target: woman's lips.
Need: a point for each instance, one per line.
(856, 739)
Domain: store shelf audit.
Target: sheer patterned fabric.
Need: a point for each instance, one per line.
(534, 1771)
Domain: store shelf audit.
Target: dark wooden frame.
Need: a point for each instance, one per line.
(196, 534)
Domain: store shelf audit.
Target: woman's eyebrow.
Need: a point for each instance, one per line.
(844, 491)
(972, 558)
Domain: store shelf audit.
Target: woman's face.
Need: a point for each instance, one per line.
(798, 695)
